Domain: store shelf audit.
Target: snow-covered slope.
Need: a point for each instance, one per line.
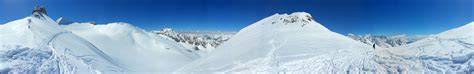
(37, 44)
(386, 41)
(134, 48)
(200, 42)
(291, 43)
(450, 51)
(63, 21)
(466, 31)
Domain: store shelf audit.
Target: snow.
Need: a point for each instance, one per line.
(37, 44)
(290, 44)
(134, 48)
(281, 43)
(465, 31)
(63, 21)
(286, 43)
(448, 52)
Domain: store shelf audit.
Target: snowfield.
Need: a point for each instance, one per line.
(287, 43)
(281, 43)
(447, 52)
(297, 44)
(37, 44)
(135, 49)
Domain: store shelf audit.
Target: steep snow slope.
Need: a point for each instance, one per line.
(134, 48)
(36, 44)
(290, 43)
(200, 42)
(465, 31)
(63, 21)
(450, 51)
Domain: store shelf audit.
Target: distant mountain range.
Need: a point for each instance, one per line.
(205, 42)
(387, 41)
(201, 42)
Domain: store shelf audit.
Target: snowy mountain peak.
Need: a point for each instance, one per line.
(303, 16)
(155, 53)
(273, 43)
(39, 11)
(46, 47)
(165, 30)
(460, 32)
(63, 21)
(297, 21)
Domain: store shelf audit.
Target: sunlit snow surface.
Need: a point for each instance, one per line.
(38, 45)
(291, 43)
(274, 45)
(447, 52)
(135, 49)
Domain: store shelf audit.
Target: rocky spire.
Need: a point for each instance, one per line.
(39, 11)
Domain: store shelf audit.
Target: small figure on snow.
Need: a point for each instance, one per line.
(373, 46)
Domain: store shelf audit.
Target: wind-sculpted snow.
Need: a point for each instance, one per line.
(22, 59)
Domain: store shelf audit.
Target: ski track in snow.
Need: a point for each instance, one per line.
(93, 47)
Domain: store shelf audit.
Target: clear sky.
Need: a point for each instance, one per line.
(379, 17)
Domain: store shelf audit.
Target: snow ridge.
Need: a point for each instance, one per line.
(33, 45)
(448, 52)
(278, 42)
(460, 32)
(146, 51)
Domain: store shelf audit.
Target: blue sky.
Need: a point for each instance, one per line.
(379, 17)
